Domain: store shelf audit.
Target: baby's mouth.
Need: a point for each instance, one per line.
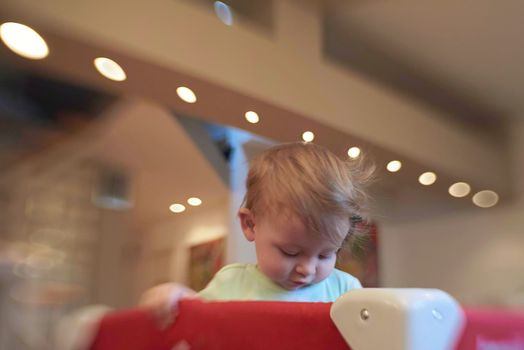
(299, 284)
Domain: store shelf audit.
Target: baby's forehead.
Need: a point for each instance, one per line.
(288, 221)
(292, 228)
(321, 221)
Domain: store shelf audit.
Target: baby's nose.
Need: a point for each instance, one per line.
(306, 267)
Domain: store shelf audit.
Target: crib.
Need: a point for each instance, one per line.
(368, 319)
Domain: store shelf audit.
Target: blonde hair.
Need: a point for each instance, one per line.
(311, 182)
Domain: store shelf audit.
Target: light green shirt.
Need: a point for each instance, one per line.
(246, 282)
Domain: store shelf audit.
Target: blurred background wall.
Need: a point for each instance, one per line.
(97, 173)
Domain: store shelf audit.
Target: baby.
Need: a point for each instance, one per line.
(298, 211)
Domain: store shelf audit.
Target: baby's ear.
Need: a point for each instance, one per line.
(247, 222)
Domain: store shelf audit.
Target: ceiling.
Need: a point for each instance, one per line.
(462, 52)
(134, 140)
(462, 56)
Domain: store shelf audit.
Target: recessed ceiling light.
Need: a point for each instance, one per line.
(308, 136)
(194, 201)
(252, 117)
(354, 152)
(394, 166)
(177, 208)
(428, 178)
(459, 189)
(223, 12)
(109, 69)
(186, 94)
(485, 199)
(23, 40)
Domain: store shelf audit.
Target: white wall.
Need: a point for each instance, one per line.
(477, 256)
(246, 146)
(117, 252)
(165, 252)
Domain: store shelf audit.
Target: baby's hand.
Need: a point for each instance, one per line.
(163, 300)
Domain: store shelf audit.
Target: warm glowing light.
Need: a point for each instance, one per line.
(109, 69)
(177, 208)
(194, 201)
(394, 166)
(485, 199)
(252, 117)
(354, 152)
(308, 136)
(23, 40)
(428, 178)
(186, 94)
(459, 189)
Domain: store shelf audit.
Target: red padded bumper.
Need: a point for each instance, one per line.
(275, 325)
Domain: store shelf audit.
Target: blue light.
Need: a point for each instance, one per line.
(224, 13)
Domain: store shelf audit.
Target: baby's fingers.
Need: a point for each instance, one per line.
(166, 316)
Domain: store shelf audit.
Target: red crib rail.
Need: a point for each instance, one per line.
(490, 329)
(275, 325)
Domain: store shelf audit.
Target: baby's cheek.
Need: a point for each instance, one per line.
(265, 263)
(278, 267)
(325, 269)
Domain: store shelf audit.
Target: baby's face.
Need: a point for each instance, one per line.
(290, 255)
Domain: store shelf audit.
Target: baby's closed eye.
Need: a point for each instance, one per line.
(288, 252)
(327, 255)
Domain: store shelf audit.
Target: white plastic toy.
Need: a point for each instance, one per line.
(398, 319)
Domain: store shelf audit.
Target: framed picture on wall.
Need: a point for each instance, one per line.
(205, 259)
(360, 259)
